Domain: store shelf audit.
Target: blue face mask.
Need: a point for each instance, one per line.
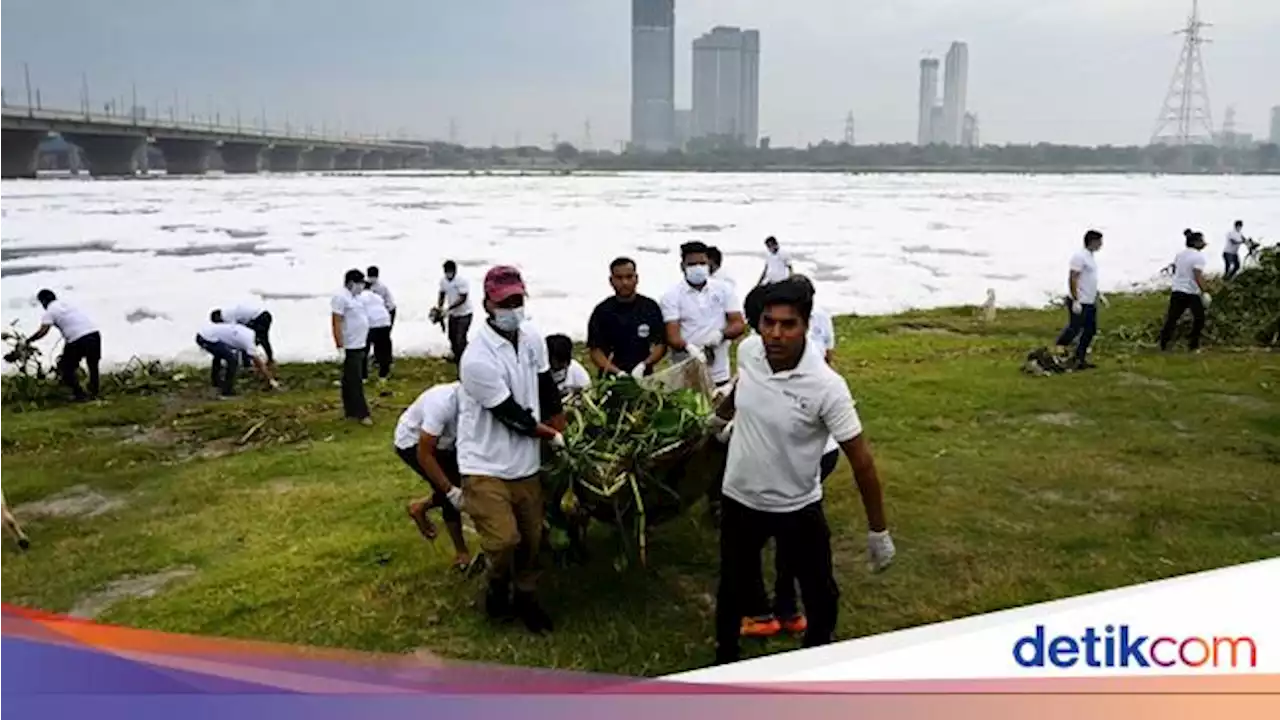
(508, 320)
(697, 274)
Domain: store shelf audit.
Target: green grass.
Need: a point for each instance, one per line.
(302, 536)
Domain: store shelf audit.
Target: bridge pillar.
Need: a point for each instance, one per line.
(20, 153)
(372, 160)
(349, 159)
(185, 157)
(242, 157)
(319, 158)
(111, 154)
(285, 158)
(393, 161)
(416, 159)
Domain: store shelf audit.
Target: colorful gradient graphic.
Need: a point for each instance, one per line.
(58, 667)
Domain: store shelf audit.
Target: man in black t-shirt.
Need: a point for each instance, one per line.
(625, 334)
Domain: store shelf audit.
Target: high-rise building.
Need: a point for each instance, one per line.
(954, 91)
(1275, 124)
(969, 136)
(653, 74)
(726, 84)
(684, 126)
(928, 98)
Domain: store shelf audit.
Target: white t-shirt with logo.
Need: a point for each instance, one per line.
(238, 337)
(454, 289)
(775, 266)
(434, 412)
(375, 308)
(72, 323)
(575, 378)
(492, 369)
(1184, 267)
(700, 313)
(782, 427)
(1086, 264)
(1234, 240)
(243, 313)
(355, 319)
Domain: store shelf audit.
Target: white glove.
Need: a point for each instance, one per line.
(455, 497)
(713, 339)
(557, 441)
(638, 371)
(1103, 299)
(274, 383)
(725, 432)
(1206, 299)
(1076, 307)
(696, 351)
(880, 549)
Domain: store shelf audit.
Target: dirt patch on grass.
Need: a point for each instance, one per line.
(76, 501)
(1248, 402)
(130, 586)
(1136, 380)
(913, 328)
(1061, 419)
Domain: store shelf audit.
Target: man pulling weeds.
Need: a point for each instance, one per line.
(426, 440)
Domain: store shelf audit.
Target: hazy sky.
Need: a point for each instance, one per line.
(1078, 71)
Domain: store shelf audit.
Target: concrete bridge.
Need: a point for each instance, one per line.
(116, 145)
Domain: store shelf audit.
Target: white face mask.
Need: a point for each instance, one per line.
(355, 288)
(696, 274)
(508, 320)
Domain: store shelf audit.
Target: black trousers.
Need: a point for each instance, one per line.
(380, 345)
(261, 327)
(1085, 325)
(785, 604)
(1179, 303)
(1231, 262)
(353, 403)
(804, 539)
(457, 332)
(448, 460)
(226, 361)
(89, 349)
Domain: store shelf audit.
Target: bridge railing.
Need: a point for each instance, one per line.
(212, 126)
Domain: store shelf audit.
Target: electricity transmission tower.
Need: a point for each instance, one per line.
(848, 129)
(1185, 118)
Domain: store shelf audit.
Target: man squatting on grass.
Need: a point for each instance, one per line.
(350, 324)
(228, 343)
(509, 405)
(786, 402)
(1082, 302)
(426, 440)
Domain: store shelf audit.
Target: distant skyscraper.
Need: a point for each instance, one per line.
(954, 92)
(684, 126)
(935, 125)
(1275, 124)
(969, 133)
(726, 84)
(928, 98)
(653, 74)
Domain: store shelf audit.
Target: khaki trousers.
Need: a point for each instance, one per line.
(508, 518)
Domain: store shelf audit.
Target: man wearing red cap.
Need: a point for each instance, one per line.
(509, 405)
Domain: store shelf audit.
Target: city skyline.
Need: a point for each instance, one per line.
(1070, 71)
(955, 91)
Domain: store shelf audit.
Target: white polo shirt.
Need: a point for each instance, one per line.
(355, 319)
(72, 323)
(435, 412)
(775, 266)
(491, 370)
(238, 337)
(1084, 263)
(1184, 271)
(381, 290)
(454, 289)
(1234, 240)
(242, 314)
(700, 312)
(375, 308)
(781, 427)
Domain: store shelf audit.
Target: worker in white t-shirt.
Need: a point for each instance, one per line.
(785, 404)
(715, 259)
(379, 345)
(349, 321)
(425, 439)
(253, 316)
(83, 342)
(777, 263)
(569, 374)
(373, 280)
(1082, 302)
(453, 308)
(1231, 250)
(703, 316)
(227, 343)
(1188, 291)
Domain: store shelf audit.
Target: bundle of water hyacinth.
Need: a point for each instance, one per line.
(626, 443)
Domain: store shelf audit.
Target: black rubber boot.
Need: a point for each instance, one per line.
(534, 617)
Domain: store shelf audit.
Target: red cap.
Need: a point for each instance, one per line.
(502, 282)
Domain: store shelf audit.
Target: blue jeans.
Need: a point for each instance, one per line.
(223, 355)
(1085, 325)
(1231, 263)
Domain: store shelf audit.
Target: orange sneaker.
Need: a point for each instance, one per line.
(796, 623)
(760, 626)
